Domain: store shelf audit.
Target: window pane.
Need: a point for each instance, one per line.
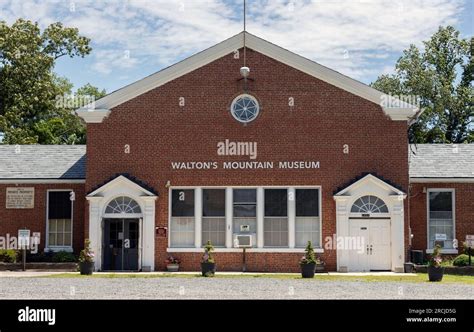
(307, 229)
(60, 226)
(275, 232)
(245, 210)
(276, 204)
(182, 204)
(213, 202)
(59, 204)
(441, 201)
(245, 195)
(182, 232)
(52, 239)
(213, 229)
(307, 202)
(67, 225)
(67, 239)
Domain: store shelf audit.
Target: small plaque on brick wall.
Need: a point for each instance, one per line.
(20, 198)
(161, 231)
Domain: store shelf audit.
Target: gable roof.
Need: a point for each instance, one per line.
(28, 162)
(122, 179)
(441, 161)
(362, 181)
(96, 112)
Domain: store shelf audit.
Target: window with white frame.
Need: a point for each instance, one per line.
(213, 217)
(59, 219)
(182, 218)
(307, 219)
(441, 218)
(245, 212)
(275, 222)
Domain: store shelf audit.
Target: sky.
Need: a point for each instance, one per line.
(135, 38)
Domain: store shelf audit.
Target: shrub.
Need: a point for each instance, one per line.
(86, 255)
(8, 255)
(309, 256)
(436, 259)
(63, 257)
(461, 260)
(208, 257)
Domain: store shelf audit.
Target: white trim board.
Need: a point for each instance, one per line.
(95, 113)
(40, 181)
(442, 180)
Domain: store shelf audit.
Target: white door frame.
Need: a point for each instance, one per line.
(393, 198)
(98, 201)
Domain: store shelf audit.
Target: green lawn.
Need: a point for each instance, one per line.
(420, 277)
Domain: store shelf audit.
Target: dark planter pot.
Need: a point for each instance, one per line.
(208, 269)
(86, 268)
(435, 273)
(409, 267)
(307, 270)
(320, 268)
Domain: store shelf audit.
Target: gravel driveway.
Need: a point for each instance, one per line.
(224, 288)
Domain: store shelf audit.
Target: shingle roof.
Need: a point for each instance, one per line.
(441, 161)
(42, 161)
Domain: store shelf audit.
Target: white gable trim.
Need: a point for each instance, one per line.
(227, 47)
(369, 178)
(120, 182)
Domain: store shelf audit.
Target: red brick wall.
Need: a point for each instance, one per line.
(464, 213)
(323, 119)
(35, 219)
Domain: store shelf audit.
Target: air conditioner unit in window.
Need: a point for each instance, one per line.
(243, 241)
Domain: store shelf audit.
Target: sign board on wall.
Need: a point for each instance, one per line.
(20, 198)
(23, 238)
(441, 237)
(470, 241)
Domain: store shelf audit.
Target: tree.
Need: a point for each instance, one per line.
(441, 77)
(29, 89)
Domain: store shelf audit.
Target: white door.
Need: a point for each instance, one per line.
(373, 251)
(358, 249)
(379, 244)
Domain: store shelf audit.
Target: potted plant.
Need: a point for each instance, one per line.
(435, 270)
(172, 264)
(319, 265)
(208, 264)
(308, 262)
(86, 259)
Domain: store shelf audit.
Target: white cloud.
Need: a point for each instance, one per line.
(159, 33)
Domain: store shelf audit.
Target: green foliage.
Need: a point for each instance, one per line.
(8, 255)
(442, 77)
(208, 256)
(436, 259)
(461, 260)
(29, 90)
(63, 257)
(86, 255)
(90, 90)
(309, 256)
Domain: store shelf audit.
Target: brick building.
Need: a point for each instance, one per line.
(295, 152)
